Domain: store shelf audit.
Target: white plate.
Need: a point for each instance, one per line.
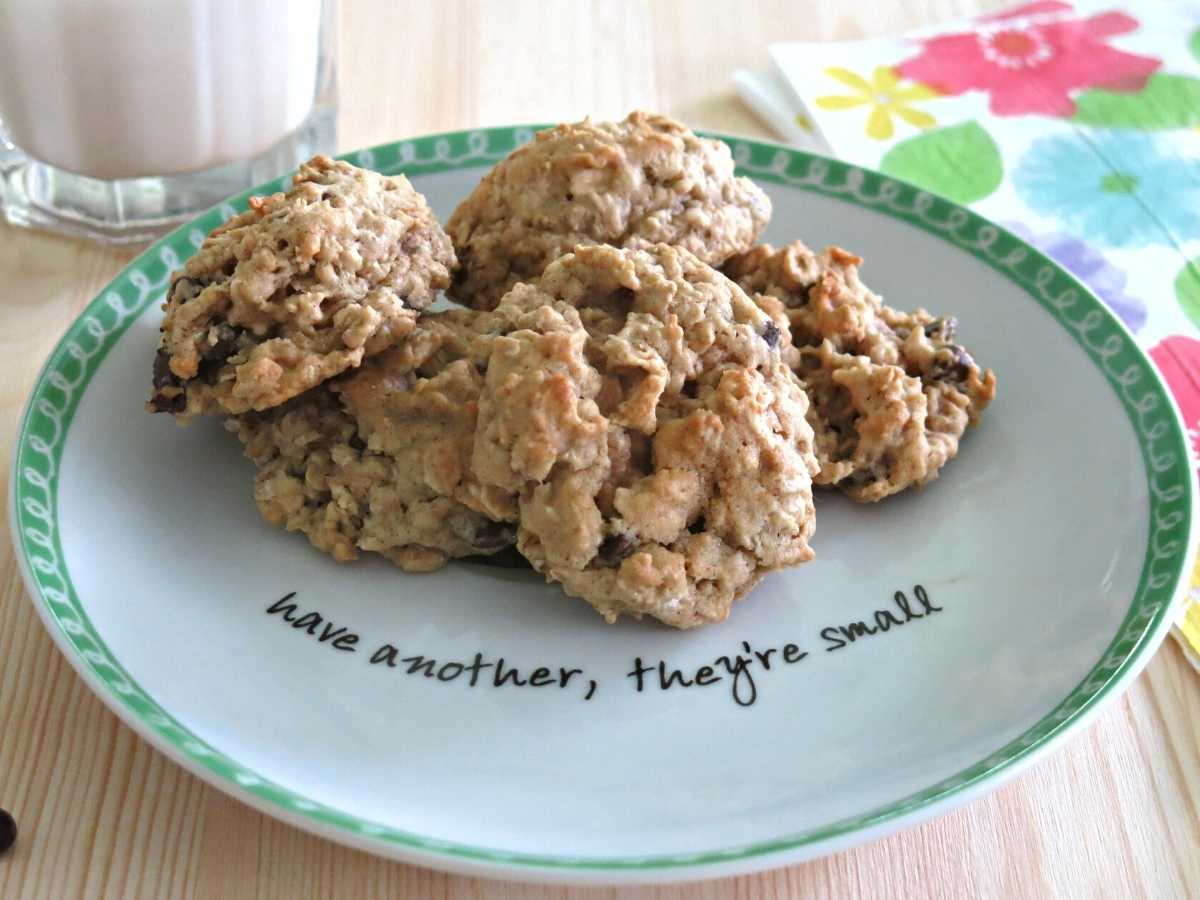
(1050, 551)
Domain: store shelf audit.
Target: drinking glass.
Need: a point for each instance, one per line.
(119, 119)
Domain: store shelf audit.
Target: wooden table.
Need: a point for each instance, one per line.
(1117, 813)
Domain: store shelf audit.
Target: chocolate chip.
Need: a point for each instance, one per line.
(957, 368)
(770, 334)
(507, 558)
(187, 288)
(209, 370)
(357, 443)
(224, 339)
(697, 525)
(861, 478)
(486, 535)
(495, 535)
(173, 403)
(8, 831)
(163, 376)
(943, 326)
(615, 548)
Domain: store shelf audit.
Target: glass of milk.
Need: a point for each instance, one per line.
(119, 119)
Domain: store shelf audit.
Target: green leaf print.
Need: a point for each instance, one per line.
(1168, 101)
(1187, 290)
(961, 162)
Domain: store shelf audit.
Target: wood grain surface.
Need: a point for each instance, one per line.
(1114, 814)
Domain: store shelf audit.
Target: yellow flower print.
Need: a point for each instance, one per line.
(886, 97)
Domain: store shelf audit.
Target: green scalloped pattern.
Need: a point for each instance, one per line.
(66, 375)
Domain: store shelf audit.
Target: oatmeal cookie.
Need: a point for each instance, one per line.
(299, 288)
(628, 418)
(891, 392)
(645, 180)
(380, 459)
(664, 463)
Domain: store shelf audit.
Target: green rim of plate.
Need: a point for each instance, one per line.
(67, 373)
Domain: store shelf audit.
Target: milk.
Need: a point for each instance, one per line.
(130, 88)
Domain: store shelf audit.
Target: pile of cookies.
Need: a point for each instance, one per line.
(633, 396)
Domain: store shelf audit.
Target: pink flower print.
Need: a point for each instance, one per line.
(1030, 59)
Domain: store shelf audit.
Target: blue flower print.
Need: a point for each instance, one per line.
(1115, 188)
(1090, 266)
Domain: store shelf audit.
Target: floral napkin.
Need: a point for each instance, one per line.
(1076, 125)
